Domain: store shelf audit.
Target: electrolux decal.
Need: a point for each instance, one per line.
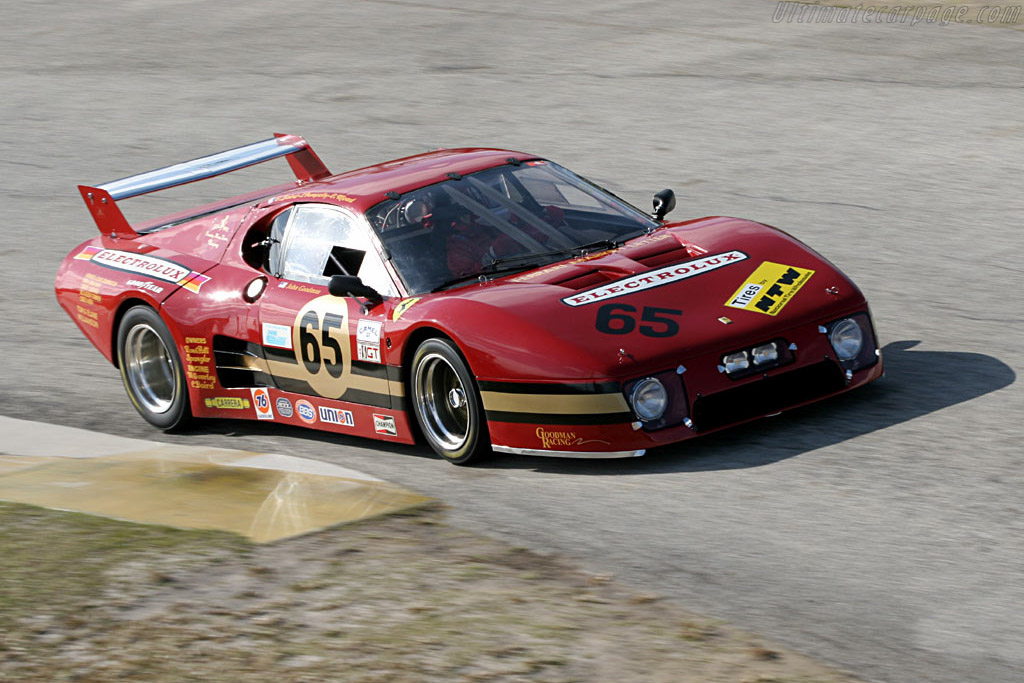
(150, 266)
(655, 278)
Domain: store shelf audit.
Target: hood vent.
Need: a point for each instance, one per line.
(626, 261)
(664, 253)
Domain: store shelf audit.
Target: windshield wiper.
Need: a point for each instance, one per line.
(489, 269)
(504, 265)
(582, 249)
(496, 265)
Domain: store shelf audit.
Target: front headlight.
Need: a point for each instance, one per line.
(846, 339)
(649, 399)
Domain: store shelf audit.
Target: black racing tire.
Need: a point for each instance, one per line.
(447, 404)
(151, 369)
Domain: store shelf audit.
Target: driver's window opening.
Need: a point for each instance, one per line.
(318, 241)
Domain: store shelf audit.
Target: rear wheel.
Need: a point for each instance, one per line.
(447, 403)
(151, 369)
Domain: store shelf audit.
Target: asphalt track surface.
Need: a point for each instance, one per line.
(881, 531)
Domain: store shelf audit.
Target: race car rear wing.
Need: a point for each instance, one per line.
(100, 200)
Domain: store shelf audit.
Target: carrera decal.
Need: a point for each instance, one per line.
(620, 319)
(261, 399)
(403, 306)
(227, 403)
(305, 410)
(150, 266)
(278, 336)
(284, 407)
(384, 424)
(769, 288)
(199, 363)
(655, 278)
(336, 416)
(553, 439)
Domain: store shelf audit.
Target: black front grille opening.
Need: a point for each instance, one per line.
(767, 396)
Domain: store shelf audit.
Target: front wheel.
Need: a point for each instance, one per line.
(151, 369)
(447, 404)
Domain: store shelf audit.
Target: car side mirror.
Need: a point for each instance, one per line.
(664, 202)
(352, 285)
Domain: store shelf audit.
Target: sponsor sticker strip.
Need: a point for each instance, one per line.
(655, 278)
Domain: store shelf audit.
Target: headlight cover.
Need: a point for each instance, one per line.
(846, 339)
(765, 353)
(648, 399)
(853, 340)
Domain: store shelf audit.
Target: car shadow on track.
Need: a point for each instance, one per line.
(916, 383)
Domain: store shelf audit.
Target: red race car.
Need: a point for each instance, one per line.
(486, 299)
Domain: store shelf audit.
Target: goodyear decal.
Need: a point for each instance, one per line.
(655, 278)
(769, 288)
(150, 266)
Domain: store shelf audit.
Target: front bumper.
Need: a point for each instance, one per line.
(712, 401)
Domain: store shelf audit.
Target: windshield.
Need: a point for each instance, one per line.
(500, 219)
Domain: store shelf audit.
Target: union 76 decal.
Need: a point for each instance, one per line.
(655, 278)
(150, 266)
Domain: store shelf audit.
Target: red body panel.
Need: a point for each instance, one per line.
(553, 349)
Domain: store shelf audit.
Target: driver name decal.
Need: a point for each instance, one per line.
(150, 266)
(655, 278)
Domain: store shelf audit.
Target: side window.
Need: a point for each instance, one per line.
(273, 264)
(322, 241)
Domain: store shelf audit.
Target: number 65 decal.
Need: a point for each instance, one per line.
(310, 343)
(621, 319)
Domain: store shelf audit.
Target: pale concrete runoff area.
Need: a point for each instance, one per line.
(263, 496)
